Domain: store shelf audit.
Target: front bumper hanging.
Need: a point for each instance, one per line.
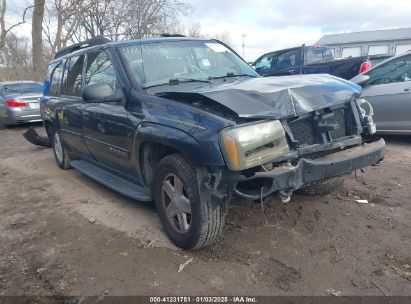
(307, 171)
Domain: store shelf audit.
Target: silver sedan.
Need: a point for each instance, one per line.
(387, 87)
(19, 102)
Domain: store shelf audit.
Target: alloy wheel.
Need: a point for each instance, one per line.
(177, 206)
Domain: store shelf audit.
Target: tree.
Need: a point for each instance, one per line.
(193, 30)
(4, 29)
(15, 58)
(224, 37)
(37, 40)
(62, 19)
(129, 19)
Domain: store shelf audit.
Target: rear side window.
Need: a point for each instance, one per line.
(317, 55)
(100, 69)
(397, 70)
(55, 80)
(72, 79)
(286, 59)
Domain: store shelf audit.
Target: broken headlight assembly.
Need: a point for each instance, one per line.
(366, 113)
(250, 145)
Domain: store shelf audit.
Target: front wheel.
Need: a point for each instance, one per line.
(60, 152)
(188, 222)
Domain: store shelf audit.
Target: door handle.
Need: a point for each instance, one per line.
(407, 89)
(292, 71)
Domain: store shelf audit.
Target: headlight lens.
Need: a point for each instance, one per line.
(367, 112)
(252, 145)
(365, 107)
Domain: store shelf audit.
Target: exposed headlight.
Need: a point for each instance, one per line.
(366, 112)
(254, 144)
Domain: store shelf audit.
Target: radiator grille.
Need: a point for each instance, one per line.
(303, 130)
(339, 118)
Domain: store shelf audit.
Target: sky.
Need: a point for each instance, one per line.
(270, 25)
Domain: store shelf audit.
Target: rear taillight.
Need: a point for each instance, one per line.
(15, 103)
(365, 66)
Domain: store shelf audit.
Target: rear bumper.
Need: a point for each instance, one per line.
(307, 171)
(17, 116)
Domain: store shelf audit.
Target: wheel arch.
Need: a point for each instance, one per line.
(153, 142)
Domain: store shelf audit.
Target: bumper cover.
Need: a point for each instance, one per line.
(307, 171)
(19, 119)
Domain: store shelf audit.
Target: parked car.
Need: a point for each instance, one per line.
(19, 102)
(388, 89)
(309, 60)
(187, 123)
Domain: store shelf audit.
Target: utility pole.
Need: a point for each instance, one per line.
(243, 35)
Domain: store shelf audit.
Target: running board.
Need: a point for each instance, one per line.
(112, 181)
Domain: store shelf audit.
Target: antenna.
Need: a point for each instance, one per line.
(243, 45)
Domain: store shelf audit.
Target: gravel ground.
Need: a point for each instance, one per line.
(63, 234)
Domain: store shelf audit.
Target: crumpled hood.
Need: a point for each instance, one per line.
(277, 97)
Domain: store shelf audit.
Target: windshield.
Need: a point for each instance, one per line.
(23, 88)
(317, 54)
(158, 63)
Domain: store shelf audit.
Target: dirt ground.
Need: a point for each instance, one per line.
(63, 234)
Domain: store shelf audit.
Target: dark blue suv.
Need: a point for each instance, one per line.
(187, 123)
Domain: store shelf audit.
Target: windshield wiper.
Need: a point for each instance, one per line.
(231, 74)
(179, 80)
(176, 81)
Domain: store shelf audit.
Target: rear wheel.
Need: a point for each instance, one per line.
(187, 221)
(322, 187)
(60, 152)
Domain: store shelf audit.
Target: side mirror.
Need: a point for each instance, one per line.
(101, 92)
(360, 79)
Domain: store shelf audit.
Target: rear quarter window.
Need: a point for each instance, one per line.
(317, 55)
(55, 80)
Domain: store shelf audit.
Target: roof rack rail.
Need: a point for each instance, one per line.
(75, 47)
(165, 35)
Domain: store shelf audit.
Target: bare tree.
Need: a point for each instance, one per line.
(193, 30)
(36, 36)
(62, 19)
(4, 29)
(129, 19)
(224, 37)
(15, 58)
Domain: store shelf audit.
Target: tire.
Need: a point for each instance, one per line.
(205, 223)
(60, 152)
(322, 187)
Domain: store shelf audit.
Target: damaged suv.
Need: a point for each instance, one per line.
(187, 123)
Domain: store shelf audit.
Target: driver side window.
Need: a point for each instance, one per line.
(100, 69)
(398, 70)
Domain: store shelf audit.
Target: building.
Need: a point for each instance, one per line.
(381, 42)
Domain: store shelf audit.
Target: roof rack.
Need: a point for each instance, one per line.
(77, 46)
(165, 35)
